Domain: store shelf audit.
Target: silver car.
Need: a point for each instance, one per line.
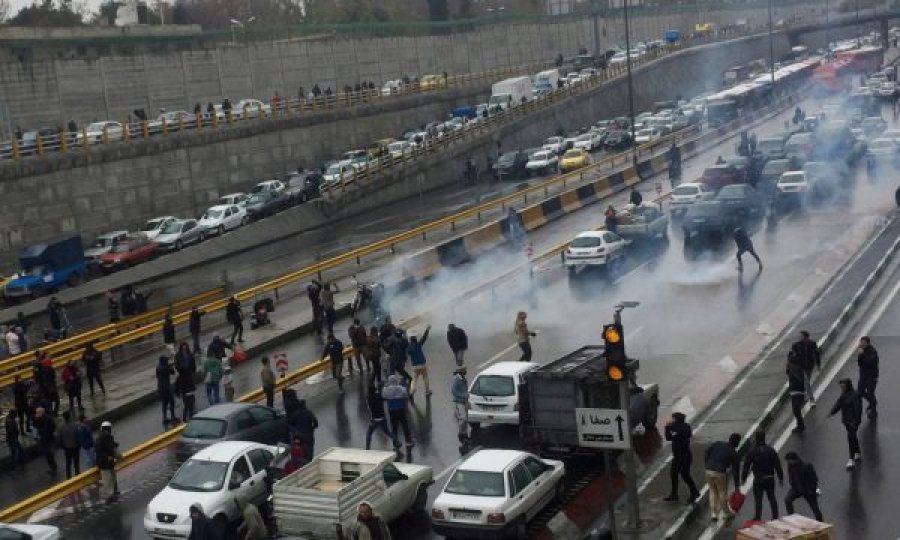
(179, 233)
(231, 422)
(102, 245)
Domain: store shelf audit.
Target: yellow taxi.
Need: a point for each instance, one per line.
(575, 158)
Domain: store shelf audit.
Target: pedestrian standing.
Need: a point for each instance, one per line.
(849, 404)
(235, 317)
(523, 336)
(68, 440)
(91, 358)
(765, 464)
(397, 398)
(397, 346)
(267, 378)
(107, 454)
(212, 375)
(458, 342)
(23, 339)
(168, 332)
(357, 335)
(13, 347)
(459, 395)
(164, 372)
(86, 442)
(372, 354)
(46, 432)
(328, 305)
(16, 457)
(194, 325)
(20, 399)
(303, 423)
(635, 197)
(806, 354)
(377, 420)
(803, 482)
(71, 377)
(744, 245)
(610, 220)
(49, 390)
(55, 312)
(722, 456)
(369, 525)
(185, 361)
(202, 528)
(797, 391)
(679, 432)
(334, 351)
(227, 380)
(314, 293)
(417, 359)
(867, 360)
(187, 389)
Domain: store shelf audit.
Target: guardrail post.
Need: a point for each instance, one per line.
(145, 129)
(84, 138)
(198, 120)
(165, 126)
(39, 144)
(15, 148)
(63, 142)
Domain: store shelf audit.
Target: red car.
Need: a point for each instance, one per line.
(718, 176)
(135, 249)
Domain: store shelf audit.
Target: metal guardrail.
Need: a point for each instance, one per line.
(27, 507)
(106, 337)
(278, 108)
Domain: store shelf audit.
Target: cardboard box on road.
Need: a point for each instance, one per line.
(792, 527)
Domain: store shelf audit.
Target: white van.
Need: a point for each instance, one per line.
(494, 394)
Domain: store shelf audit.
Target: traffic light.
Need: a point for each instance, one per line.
(614, 351)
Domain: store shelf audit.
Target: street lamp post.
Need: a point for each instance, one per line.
(771, 50)
(630, 84)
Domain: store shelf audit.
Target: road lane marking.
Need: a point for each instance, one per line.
(497, 356)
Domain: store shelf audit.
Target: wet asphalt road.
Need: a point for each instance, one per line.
(713, 306)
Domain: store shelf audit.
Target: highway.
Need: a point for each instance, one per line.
(694, 308)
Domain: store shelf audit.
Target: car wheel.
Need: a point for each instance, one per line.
(421, 501)
(221, 230)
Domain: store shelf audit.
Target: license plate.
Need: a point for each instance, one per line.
(462, 514)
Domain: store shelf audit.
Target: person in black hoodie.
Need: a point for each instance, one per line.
(378, 420)
(849, 405)
(867, 359)
(187, 389)
(804, 483)
(235, 316)
(744, 245)
(459, 343)
(678, 431)
(194, 324)
(720, 457)
(765, 464)
(797, 391)
(164, 372)
(806, 354)
(168, 332)
(46, 432)
(304, 423)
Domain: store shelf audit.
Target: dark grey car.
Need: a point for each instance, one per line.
(231, 422)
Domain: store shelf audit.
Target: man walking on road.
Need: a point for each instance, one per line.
(523, 336)
(867, 359)
(107, 454)
(806, 354)
(459, 343)
(357, 335)
(46, 432)
(720, 457)
(168, 332)
(334, 351)
(804, 483)
(397, 399)
(194, 325)
(303, 423)
(16, 457)
(744, 245)
(375, 402)
(397, 346)
(459, 394)
(797, 392)
(765, 464)
(849, 405)
(678, 431)
(91, 358)
(235, 317)
(372, 353)
(68, 439)
(417, 359)
(267, 378)
(164, 372)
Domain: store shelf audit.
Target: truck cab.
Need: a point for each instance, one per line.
(46, 267)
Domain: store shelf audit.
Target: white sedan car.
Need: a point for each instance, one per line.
(215, 477)
(28, 531)
(594, 248)
(94, 132)
(542, 162)
(555, 144)
(221, 218)
(251, 108)
(687, 194)
(495, 493)
(589, 141)
(154, 226)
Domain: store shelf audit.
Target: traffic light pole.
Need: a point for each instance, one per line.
(634, 505)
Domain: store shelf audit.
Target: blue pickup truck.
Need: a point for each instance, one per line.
(46, 267)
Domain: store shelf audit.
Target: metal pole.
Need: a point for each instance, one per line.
(771, 50)
(596, 29)
(634, 504)
(610, 499)
(630, 86)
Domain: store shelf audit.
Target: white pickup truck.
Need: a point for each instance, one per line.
(320, 499)
(644, 221)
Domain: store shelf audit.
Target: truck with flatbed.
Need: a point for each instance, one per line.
(644, 221)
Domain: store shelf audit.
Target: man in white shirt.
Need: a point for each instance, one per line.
(12, 342)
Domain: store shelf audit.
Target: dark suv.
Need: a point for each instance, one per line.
(705, 219)
(510, 166)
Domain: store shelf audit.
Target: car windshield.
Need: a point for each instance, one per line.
(685, 190)
(200, 475)
(538, 156)
(36, 270)
(212, 214)
(397, 146)
(507, 158)
(103, 241)
(96, 126)
(476, 483)
(554, 140)
(204, 428)
(586, 242)
(493, 386)
(644, 133)
(583, 137)
(172, 227)
(256, 199)
(334, 169)
(151, 225)
(121, 247)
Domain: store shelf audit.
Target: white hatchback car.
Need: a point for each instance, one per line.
(793, 182)
(154, 226)
(28, 531)
(215, 477)
(221, 218)
(494, 393)
(542, 162)
(594, 248)
(495, 493)
(687, 194)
